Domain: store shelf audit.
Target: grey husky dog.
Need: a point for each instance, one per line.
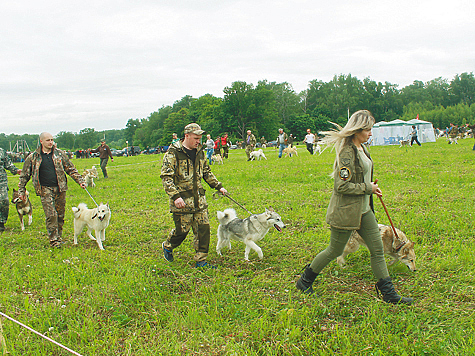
(248, 230)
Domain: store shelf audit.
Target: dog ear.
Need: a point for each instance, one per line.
(271, 209)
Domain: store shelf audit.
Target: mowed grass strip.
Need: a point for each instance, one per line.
(127, 300)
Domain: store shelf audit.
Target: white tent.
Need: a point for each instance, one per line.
(390, 133)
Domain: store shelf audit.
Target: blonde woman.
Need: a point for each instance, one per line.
(351, 205)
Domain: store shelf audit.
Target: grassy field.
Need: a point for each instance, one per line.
(127, 300)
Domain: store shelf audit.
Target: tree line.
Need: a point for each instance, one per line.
(267, 106)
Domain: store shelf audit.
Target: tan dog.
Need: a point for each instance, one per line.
(399, 249)
(289, 151)
(404, 143)
(217, 159)
(89, 179)
(92, 170)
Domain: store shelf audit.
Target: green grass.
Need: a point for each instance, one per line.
(127, 300)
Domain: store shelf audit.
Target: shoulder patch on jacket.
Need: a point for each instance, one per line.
(345, 173)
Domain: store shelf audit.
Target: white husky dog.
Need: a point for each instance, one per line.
(248, 230)
(256, 155)
(96, 219)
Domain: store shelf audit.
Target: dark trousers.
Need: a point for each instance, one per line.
(104, 165)
(414, 139)
(310, 148)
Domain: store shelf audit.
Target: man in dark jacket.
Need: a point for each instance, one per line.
(104, 154)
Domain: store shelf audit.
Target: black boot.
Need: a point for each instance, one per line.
(2, 227)
(385, 286)
(306, 280)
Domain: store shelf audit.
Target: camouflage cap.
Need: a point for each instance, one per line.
(194, 129)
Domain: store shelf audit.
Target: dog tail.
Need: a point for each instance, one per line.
(226, 216)
(77, 211)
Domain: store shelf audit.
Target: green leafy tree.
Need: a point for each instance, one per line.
(65, 139)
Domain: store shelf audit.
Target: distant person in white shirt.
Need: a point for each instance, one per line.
(309, 140)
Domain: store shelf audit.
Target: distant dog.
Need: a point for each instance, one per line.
(23, 208)
(248, 230)
(264, 146)
(217, 159)
(89, 179)
(406, 143)
(257, 155)
(399, 249)
(96, 219)
(92, 170)
(317, 148)
(289, 151)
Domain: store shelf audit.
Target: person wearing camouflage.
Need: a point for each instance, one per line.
(5, 163)
(48, 166)
(184, 166)
(250, 144)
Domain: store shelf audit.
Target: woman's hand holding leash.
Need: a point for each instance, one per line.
(375, 189)
(380, 195)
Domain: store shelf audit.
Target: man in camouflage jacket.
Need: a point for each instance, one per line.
(5, 163)
(47, 167)
(250, 144)
(184, 166)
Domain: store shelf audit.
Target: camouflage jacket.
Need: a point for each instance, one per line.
(5, 163)
(62, 165)
(252, 140)
(182, 178)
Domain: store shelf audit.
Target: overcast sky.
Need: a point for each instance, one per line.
(67, 65)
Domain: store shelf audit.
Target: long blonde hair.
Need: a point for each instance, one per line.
(340, 137)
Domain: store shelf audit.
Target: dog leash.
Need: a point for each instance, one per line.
(91, 197)
(228, 196)
(392, 225)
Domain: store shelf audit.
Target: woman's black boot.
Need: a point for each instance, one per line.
(385, 286)
(306, 280)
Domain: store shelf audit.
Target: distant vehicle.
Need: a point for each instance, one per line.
(272, 143)
(233, 147)
(132, 150)
(117, 153)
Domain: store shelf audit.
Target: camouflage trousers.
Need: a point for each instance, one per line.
(104, 165)
(4, 204)
(54, 204)
(199, 223)
(249, 149)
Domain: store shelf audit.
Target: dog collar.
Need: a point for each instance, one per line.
(400, 246)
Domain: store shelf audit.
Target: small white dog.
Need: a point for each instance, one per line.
(257, 155)
(248, 230)
(96, 219)
(317, 148)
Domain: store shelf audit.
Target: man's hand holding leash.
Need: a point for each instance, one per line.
(180, 203)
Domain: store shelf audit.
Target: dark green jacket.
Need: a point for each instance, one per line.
(182, 178)
(345, 208)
